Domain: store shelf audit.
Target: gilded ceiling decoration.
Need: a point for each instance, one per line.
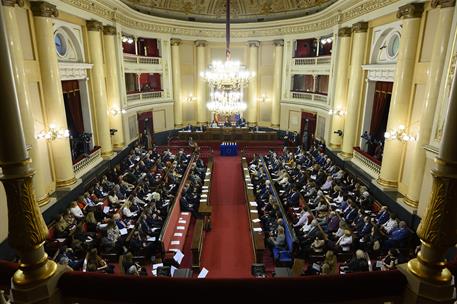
(241, 10)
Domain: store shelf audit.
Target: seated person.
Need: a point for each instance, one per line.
(390, 225)
(331, 262)
(390, 260)
(96, 263)
(344, 243)
(129, 266)
(358, 262)
(76, 211)
(279, 241)
(227, 123)
(398, 236)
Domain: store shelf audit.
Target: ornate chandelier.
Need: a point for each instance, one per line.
(227, 80)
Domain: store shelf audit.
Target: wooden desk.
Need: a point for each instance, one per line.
(205, 209)
(228, 134)
(197, 244)
(257, 237)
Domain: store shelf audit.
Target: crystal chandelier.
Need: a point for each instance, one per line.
(227, 80)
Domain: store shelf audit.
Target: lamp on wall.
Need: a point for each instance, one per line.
(263, 98)
(337, 111)
(129, 40)
(190, 98)
(399, 134)
(115, 111)
(339, 132)
(53, 133)
(326, 40)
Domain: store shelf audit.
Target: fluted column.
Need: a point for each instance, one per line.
(253, 67)
(355, 83)
(99, 88)
(431, 97)
(112, 86)
(202, 116)
(438, 229)
(27, 230)
(401, 92)
(176, 64)
(277, 81)
(341, 84)
(39, 151)
(52, 90)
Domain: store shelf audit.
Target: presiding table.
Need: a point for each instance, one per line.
(228, 134)
(229, 149)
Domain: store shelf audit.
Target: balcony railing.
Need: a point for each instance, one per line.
(86, 163)
(309, 96)
(313, 60)
(141, 59)
(365, 161)
(143, 96)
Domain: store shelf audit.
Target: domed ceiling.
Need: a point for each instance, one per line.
(241, 10)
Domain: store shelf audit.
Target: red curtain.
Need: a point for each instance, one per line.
(306, 48)
(72, 100)
(381, 105)
(128, 48)
(150, 82)
(148, 47)
(308, 83)
(308, 126)
(322, 84)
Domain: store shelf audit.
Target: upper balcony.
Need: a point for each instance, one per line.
(312, 52)
(310, 87)
(144, 87)
(141, 53)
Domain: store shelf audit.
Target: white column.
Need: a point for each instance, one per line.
(39, 151)
(253, 67)
(99, 88)
(202, 112)
(276, 102)
(401, 91)
(176, 65)
(112, 86)
(52, 90)
(341, 84)
(355, 83)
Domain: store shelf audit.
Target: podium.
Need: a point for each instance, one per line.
(229, 149)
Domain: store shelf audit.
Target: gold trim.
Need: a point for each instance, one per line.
(175, 41)
(346, 155)
(20, 163)
(109, 30)
(66, 183)
(386, 183)
(44, 9)
(108, 153)
(345, 32)
(416, 267)
(121, 145)
(335, 146)
(44, 201)
(410, 202)
(12, 3)
(443, 3)
(360, 27)
(254, 43)
(200, 43)
(93, 25)
(278, 42)
(274, 125)
(411, 10)
(45, 271)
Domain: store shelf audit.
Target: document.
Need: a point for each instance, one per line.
(172, 270)
(123, 231)
(205, 191)
(204, 195)
(105, 209)
(206, 180)
(101, 226)
(155, 266)
(205, 187)
(253, 204)
(180, 228)
(203, 273)
(151, 239)
(255, 220)
(181, 222)
(257, 229)
(254, 211)
(379, 264)
(154, 229)
(131, 226)
(177, 234)
(178, 256)
(208, 173)
(174, 242)
(185, 213)
(316, 267)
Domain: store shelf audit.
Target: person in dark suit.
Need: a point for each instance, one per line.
(398, 236)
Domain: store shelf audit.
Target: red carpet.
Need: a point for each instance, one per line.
(227, 249)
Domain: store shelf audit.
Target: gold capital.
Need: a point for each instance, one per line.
(442, 3)
(278, 42)
(93, 25)
(200, 43)
(175, 41)
(412, 10)
(44, 9)
(253, 43)
(109, 30)
(20, 3)
(360, 27)
(344, 32)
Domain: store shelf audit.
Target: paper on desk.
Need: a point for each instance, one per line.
(155, 266)
(205, 190)
(177, 234)
(204, 195)
(174, 242)
(101, 226)
(185, 213)
(178, 256)
(105, 209)
(206, 180)
(123, 231)
(205, 187)
(253, 204)
(180, 227)
(254, 211)
(203, 273)
(255, 220)
(151, 239)
(172, 270)
(181, 222)
(131, 226)
(379, 264)
(257, 229)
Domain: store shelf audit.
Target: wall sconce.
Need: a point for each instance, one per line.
(263, 98)
(326, 40)
(337, 111)
(115, 111)
(129, 40)
(53, 133)
(399, 134)
(190, 98)
(339, 132)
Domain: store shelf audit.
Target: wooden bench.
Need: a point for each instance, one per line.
(197, 244)
(205, 204)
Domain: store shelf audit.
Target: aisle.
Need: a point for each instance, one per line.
(227, 249)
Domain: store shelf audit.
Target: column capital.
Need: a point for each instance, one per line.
(44, 9)
(93, 25)
(442, 3)
(175, 41)
(360, 27)
(254, 43)
(412, 10)
(20, 3)
(201, 43)
(109, 30)
(278, 42)
(344, 32)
